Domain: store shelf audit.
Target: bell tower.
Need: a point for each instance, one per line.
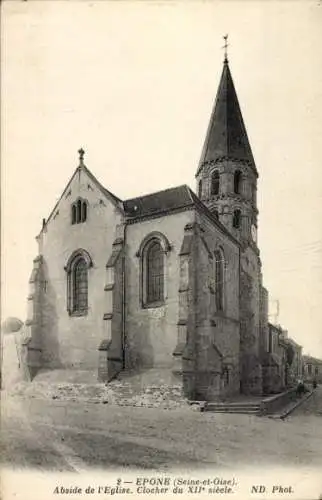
(227, 185)
(227, 175)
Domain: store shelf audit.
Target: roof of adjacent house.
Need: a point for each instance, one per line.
(292, 342)
(311, 359)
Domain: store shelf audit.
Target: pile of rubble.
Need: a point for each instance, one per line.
(119, 393)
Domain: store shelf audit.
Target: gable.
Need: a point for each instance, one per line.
(86, 217)
(83, 184)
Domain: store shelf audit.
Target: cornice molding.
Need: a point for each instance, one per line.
(223, 161)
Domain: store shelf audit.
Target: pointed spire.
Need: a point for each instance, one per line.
(226, 135)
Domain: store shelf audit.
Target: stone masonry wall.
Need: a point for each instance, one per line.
(217, 332)
(251, 369)
(151, 332)
(73, 341)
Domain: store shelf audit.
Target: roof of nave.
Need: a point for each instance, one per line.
(159, 202)
(167, 201)
(226, 135)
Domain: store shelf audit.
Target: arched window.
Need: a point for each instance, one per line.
(80, 287)
(84, 211)
(79, 211)
(77, 282)
(237, 219)
(200, 188)
(237, 181)
(74, 212)
(219, 279)
(270, 341)
(154, 262)
(215, 181)
(225, 376)
(152, 253)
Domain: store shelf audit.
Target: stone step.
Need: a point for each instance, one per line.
(233, 407)
(236, 412)
(235, 403)
(229, 410)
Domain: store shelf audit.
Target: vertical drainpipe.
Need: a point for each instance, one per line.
(240, 316)
(195, 300)
(124, 297)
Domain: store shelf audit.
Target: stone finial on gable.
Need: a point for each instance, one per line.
(81, 153)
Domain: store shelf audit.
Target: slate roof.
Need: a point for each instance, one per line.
(310, 359)
(167, 201)
(160, 202)
(226, 134)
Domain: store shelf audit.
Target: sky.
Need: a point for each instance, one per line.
(133, 83)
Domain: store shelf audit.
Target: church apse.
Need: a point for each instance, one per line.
(75, 243)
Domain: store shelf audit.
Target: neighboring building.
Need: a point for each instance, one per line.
(169, 280)
(295, 369)
(274, 367)
(264, 335)
(312, 369)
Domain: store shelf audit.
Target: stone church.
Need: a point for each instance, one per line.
(169, 280)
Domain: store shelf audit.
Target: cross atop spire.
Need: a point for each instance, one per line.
(81, 153)
(225, 47)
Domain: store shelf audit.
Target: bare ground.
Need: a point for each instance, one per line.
(74, 436)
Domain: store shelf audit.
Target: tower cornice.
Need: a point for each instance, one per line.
(222, 162)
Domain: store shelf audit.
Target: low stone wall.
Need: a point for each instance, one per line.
(274, 403)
